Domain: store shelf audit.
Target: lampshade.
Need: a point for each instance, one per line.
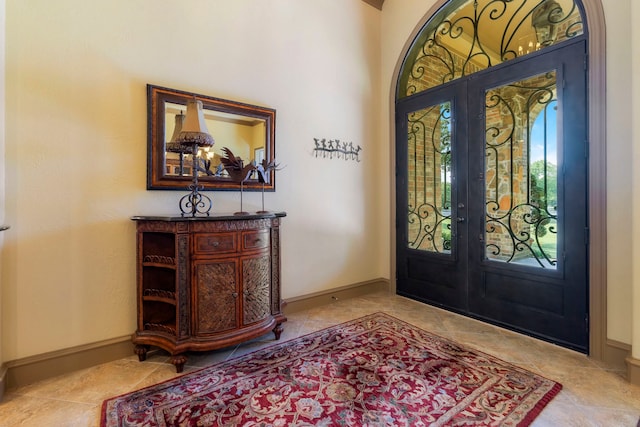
(172, 145)
(194, 129)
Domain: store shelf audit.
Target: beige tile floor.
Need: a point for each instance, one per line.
(592, 394)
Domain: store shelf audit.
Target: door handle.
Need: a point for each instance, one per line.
(460, 219)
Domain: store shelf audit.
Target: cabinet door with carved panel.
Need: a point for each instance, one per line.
(215, 296)
(256, 288)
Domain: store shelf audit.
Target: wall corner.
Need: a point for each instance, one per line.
(3, 382)
(633, 370)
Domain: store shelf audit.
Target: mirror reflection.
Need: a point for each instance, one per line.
(247, 130)
(245, 136)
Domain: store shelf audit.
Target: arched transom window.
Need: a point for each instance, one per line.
(467, 36)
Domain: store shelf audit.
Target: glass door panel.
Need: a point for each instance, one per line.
(429, 179)
(521, 172)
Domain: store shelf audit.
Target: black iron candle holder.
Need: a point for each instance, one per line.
(195, 203)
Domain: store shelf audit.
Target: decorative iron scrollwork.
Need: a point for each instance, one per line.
(525, 243)
(470, 36)
(429, 210)
(430, 223)
(520, 211)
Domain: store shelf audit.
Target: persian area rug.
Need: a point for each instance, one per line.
(373, 371)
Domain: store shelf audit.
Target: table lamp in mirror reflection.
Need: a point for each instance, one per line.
(194, 134)
(173, 146)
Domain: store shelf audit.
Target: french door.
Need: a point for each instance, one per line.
(492, 196)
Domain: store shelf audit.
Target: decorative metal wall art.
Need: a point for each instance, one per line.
(335, 148)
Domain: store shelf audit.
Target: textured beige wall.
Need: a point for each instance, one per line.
(76, 146)
(635, 140)
(620, 168)
(401, 20)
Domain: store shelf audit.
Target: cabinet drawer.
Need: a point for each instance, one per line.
(255, 239)
(207, 243)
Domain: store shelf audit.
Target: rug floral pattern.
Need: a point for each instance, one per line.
(373, 371)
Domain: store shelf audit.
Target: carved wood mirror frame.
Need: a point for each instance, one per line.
(163, 102)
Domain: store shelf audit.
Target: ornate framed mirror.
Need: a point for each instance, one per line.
(243, 128)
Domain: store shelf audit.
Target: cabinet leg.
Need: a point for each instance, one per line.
(141, 351)
(179, 360)
(278, 330)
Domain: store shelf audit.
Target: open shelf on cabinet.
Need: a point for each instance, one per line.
(159, 316)
(159, 295)
(158, 280)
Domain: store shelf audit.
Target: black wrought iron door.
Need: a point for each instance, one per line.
(432, 197)
(492, 196)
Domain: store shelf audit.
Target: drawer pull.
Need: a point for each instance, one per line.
(235, 295)
(215, 244)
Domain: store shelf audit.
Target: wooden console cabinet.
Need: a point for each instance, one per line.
(206, 282)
